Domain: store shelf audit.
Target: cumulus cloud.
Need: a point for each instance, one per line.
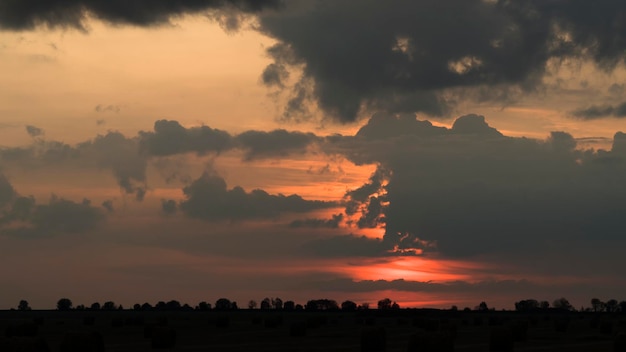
(277, 143)
(22, 215)
(353, 56)
(108, 108)
(170, 138)
(208, 198)
(61, 13)
(470, 190)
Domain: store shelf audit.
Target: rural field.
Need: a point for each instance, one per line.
(257, 330)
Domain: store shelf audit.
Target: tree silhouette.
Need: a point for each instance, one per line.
(95, 306)
(109, 305)
(289, 305)
(597, 305)
(223, 304)
(277, 303)
(64, 304)
(23, 305)
(266, 303)
(384, 303)
(483, 307)
(348, 306)
(562, 303)
(612, 306)
(204, 306)
(252, 304)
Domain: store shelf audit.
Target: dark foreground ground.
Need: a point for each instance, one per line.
(254, 330)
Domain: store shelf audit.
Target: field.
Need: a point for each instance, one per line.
(256, 330)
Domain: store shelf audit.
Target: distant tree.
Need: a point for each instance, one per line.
(395, 305)
(233, 305)
(64, 304)
(544, 304)
(80, 307)
(612, 306)
(23, 305)
(348, 306)
(173, 305)
(482, 307)
(597, 305)
(527, 305)
(364, 306)
(136, 306)
(146, 306)
(252, 304)
(223, 304)
(299, 307)
(277, 303)
(384, 303)
(562, 304)
(161, 305)
(454, 308)
(321, 304)
(120, 307)
(266, 303)
(109, 305)
(289, 306)
(622, 307)
(204, 306)
(186, 307)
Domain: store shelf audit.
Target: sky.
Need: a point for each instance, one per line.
(434, 152)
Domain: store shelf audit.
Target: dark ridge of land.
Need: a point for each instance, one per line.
(267, 330)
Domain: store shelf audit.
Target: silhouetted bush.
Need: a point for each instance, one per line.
(430, 341)
(22, 329)
(163, 337)
(24, 344)
(297, 329)
(501, 339)
(373, 340)
(82, 342)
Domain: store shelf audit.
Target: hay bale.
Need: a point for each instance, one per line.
(297, 329)
(22, 329)
(426, 341)
(163, 337)
(24, 344)
(82, 341)
(374, 340)
(501, 339)
(619, 342)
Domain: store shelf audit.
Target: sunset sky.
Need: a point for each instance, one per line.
(434, 152)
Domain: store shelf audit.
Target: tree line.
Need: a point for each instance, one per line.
(526, 305)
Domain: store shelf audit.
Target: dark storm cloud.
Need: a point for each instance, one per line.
(208, 198)
(401, 55)
(274, 144)
(108, 205)
(169, 206)
(27, 14)
(470, 190)
(597, 112)
(34, 131)
(315, 223)
(170, 138)
(361, 246)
